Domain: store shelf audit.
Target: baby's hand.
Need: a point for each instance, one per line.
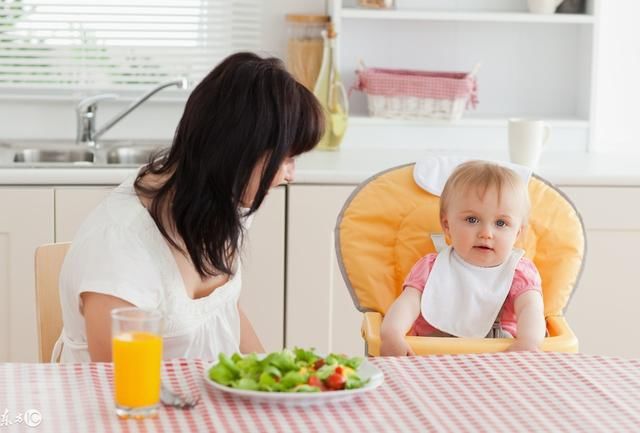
(521, 345)
(395, 346)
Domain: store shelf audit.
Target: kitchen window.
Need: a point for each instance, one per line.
(50, 47)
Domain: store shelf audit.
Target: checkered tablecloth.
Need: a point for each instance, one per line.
(504, 392)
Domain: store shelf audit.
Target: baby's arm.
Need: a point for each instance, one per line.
(397, 322)
(529, 310)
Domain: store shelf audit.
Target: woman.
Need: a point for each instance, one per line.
(170, 238)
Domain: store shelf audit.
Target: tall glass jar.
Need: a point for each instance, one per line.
(331, 93)
(305, 46)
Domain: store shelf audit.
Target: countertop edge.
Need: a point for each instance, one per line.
(113, 176)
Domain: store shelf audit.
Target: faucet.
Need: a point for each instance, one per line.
(86, 112)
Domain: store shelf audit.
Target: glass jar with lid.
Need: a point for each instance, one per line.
(305, 46)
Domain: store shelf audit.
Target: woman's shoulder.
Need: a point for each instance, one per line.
(115, 239)
(120, 213)
(114, 258)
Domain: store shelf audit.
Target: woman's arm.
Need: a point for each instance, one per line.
(97, 318)
(529, 311)
(397, 322)
(249, 341)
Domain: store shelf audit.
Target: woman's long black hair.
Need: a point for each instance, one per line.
(246, 109)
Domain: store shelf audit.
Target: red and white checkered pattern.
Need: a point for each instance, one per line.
(420, 84)
(504, 392)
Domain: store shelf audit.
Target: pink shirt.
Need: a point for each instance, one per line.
(526, 277)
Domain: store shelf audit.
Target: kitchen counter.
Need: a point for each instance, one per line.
(355, 164)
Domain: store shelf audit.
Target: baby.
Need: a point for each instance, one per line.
(479, 282)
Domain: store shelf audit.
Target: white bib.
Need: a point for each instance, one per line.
(464, 300)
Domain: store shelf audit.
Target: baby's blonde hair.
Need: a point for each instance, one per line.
(483, 175)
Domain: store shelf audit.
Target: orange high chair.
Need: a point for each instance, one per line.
(385, 226)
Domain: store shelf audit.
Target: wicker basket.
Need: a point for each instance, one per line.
(417, 94)
(378, 4)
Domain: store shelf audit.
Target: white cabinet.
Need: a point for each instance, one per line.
(603, 310)
(263, 267)
(532, 65)
(26, 221)
(320, 312)
(263, 257)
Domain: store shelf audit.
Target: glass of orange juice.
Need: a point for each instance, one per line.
(137, 360)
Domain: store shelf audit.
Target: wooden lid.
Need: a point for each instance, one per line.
(331, 31)
(307, 19)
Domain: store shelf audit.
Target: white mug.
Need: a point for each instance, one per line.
(526, 139)
(543, 6)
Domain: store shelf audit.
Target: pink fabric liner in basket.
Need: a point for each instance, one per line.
(420, 84)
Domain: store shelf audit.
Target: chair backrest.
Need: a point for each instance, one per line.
(48, 261)
(385, 226)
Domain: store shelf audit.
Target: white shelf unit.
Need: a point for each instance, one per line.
(535, 66)
(469, 120)
(512, 17)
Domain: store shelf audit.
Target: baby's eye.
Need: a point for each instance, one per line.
(471, 220)
(501, 223)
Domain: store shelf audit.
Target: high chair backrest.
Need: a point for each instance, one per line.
(48, 263)
(385, 227)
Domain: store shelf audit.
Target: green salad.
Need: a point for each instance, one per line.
(296, 370)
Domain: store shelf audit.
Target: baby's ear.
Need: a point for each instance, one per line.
(522, 231)
(444, 222)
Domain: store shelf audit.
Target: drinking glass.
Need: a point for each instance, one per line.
(137, 360)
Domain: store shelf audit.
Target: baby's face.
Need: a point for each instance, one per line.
(483, 229)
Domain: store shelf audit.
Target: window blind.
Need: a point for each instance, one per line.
(119, 44)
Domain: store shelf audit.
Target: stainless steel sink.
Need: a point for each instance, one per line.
(51, 155)
(131, 155)
(68, 154)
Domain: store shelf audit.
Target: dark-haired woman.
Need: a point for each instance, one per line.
(169, 238)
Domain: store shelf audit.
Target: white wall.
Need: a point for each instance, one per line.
(618, 76)
(156, 119)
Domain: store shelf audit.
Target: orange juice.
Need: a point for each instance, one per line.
(137, 358)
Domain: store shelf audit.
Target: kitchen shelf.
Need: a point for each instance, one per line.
(508, 17)
(533, 66)
(468, 121)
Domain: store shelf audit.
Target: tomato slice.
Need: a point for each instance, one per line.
(336, 381)
(315, 381)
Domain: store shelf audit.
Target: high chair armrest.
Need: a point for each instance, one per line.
(371, 324)
(561, 339)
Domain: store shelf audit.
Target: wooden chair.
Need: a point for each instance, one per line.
(48, 262)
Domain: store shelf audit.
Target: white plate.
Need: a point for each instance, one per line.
(365, 371)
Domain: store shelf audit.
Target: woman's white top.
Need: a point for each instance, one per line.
(119, 251)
